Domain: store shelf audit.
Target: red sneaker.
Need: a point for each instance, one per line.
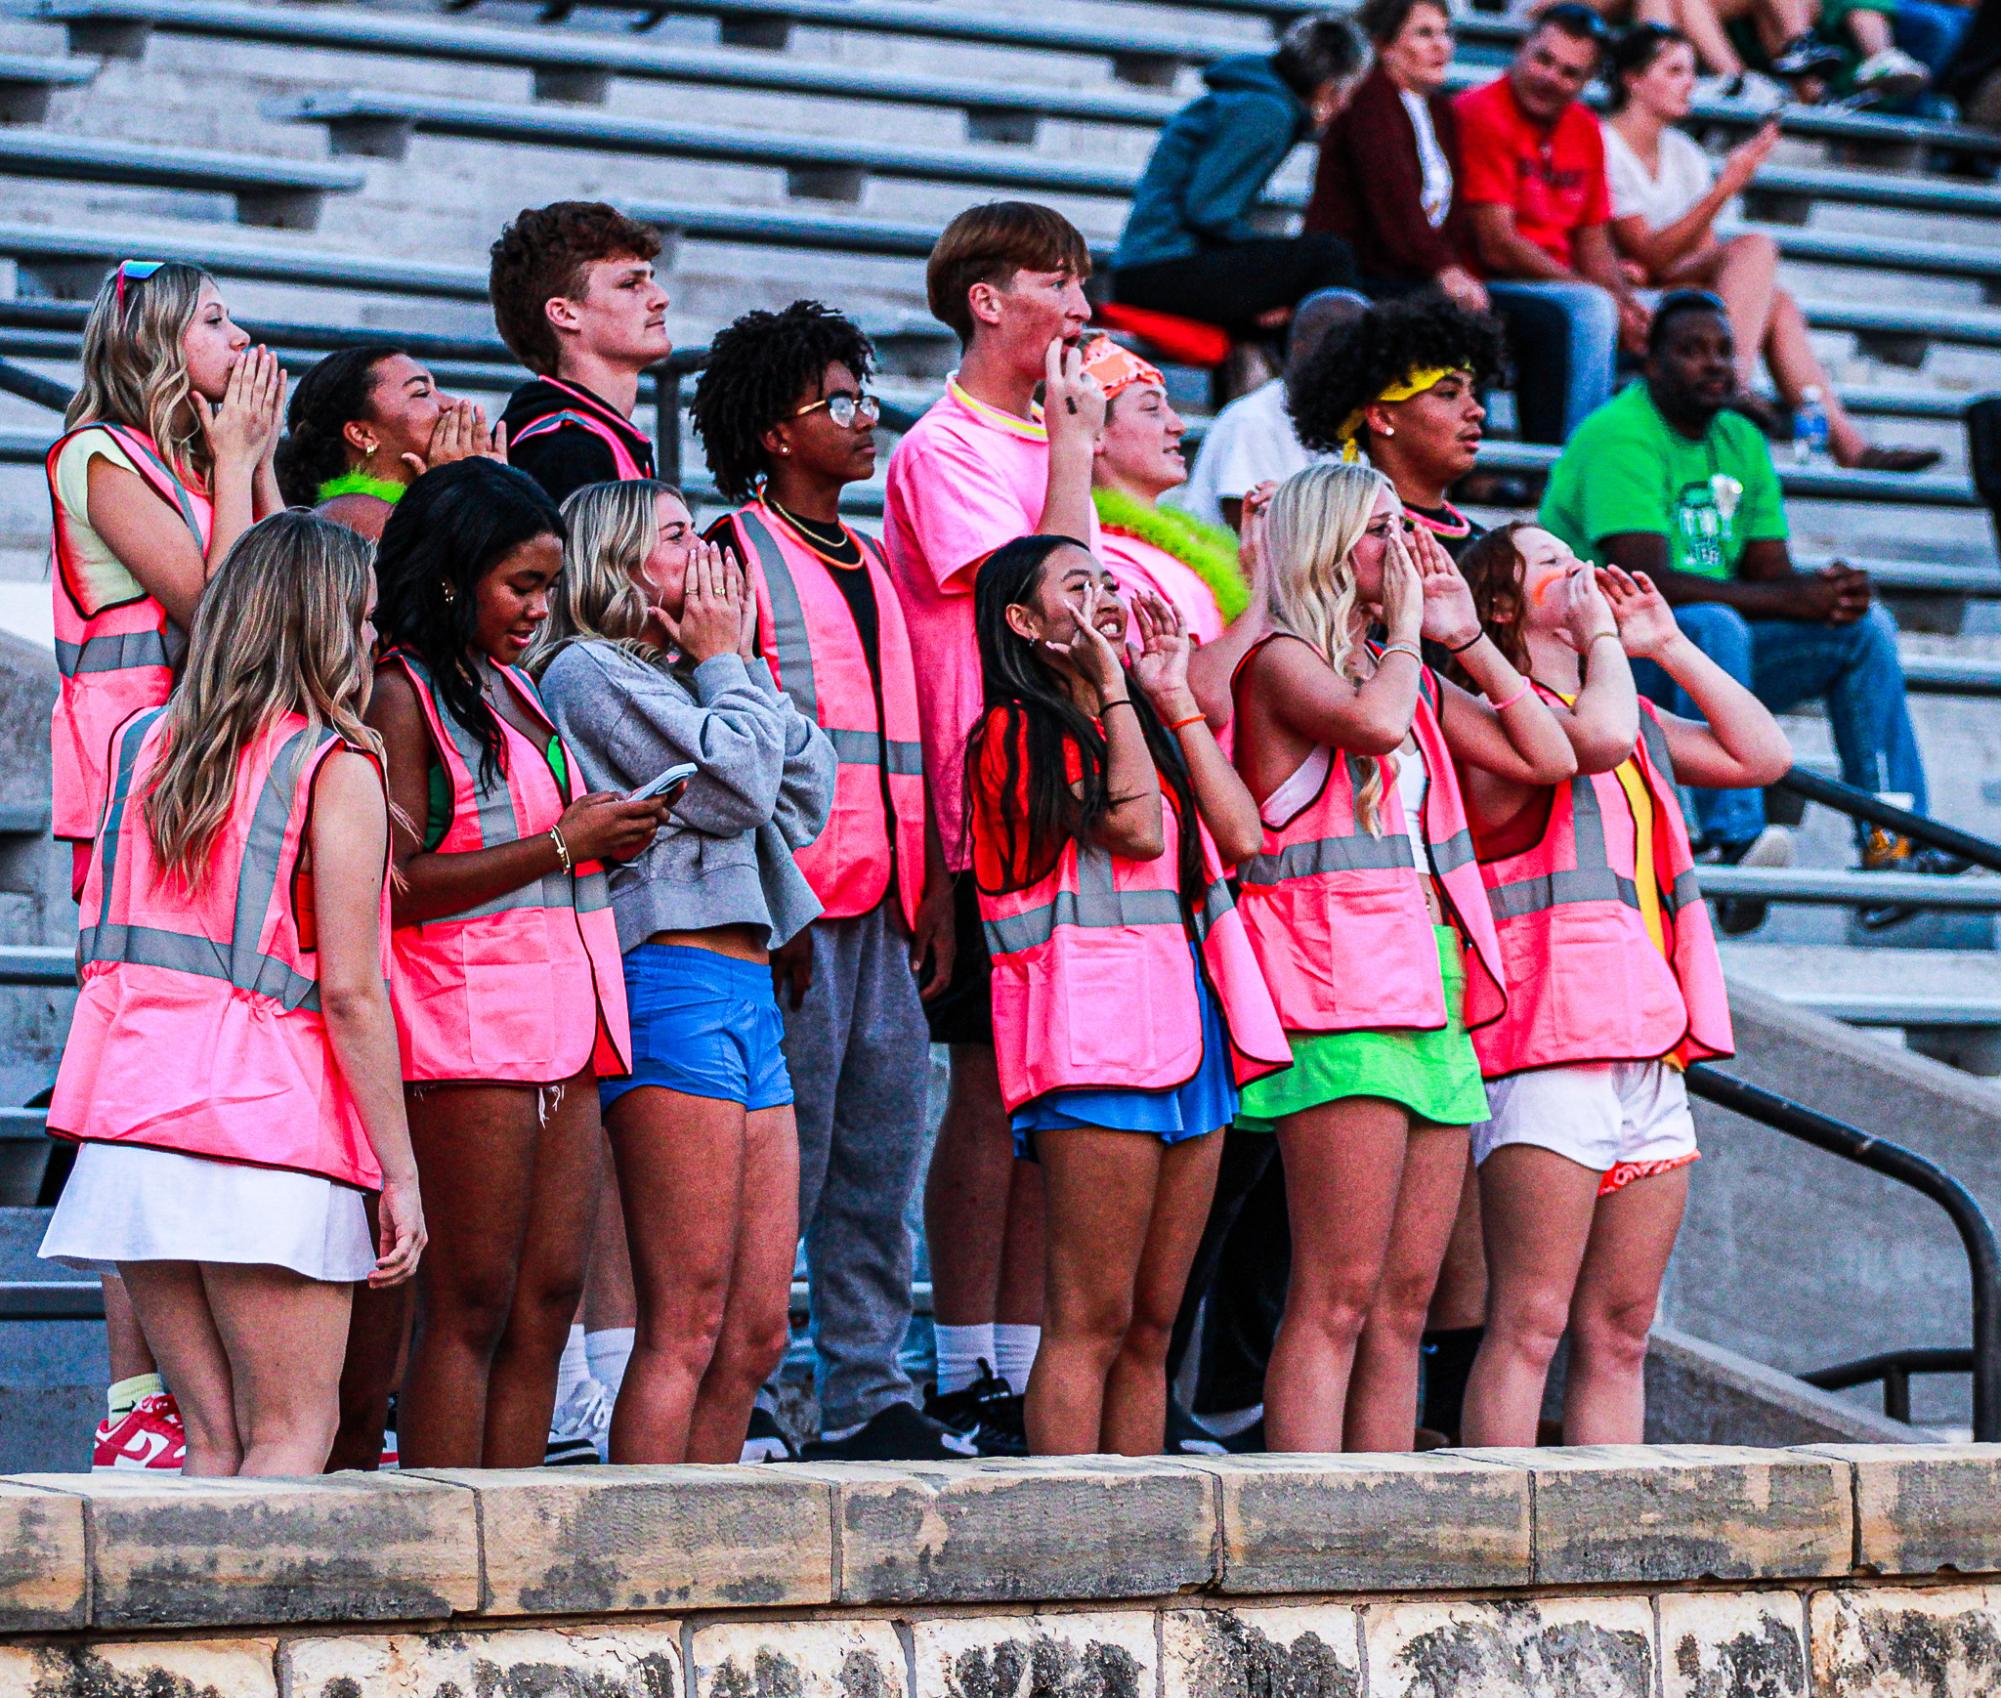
(149, 1435)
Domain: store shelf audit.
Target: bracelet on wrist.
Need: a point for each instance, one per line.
(1192, 719)
(1470, 642)
(1400, 647)
(562, 848)
(1116, 701)
(1503, 706)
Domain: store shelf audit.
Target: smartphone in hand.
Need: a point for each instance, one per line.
(666, 781)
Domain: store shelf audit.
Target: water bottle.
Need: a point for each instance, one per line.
(1809, 426)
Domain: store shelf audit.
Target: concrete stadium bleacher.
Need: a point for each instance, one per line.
(815, 146)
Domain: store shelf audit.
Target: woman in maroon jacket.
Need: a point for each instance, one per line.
(1389, 161)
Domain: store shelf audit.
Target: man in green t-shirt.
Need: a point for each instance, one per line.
(1664, 479)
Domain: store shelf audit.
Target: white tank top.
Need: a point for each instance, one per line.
(1412, 783)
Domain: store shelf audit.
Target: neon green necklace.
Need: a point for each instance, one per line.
(360, 483)
(1209, 551)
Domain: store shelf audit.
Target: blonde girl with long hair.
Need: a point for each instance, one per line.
(1372, 927)
(231, 1067)
(649, 663)
(164, 462)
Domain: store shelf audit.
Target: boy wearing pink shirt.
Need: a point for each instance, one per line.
(983, 466)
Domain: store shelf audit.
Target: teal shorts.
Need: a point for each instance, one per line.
(1435, 1075)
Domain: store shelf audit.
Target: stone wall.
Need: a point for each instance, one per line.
(1643, 1572)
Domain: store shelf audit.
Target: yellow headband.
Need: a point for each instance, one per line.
(1415, 382)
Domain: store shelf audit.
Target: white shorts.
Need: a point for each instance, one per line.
(1625, 1119)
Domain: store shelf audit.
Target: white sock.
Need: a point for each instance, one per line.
(607, 1351)
(1014, 1353)
(572, 1370)
(960, 1352)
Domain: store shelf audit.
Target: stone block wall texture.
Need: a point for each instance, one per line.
(1646, 1571)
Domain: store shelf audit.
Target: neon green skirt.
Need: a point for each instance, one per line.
(1433, 1074)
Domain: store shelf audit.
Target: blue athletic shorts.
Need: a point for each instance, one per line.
(703, 1025)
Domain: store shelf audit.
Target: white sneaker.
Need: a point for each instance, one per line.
(1748, 88)
(1772, 847)
(1891, 75)
(581, 1429)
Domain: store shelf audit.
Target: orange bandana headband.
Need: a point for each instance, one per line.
(1117, 369)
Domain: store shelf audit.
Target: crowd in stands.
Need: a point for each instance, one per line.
(514, 918)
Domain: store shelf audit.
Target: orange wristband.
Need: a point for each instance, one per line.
(1192, 719)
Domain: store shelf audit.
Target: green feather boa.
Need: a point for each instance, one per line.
(360, 483)
(1209, 551)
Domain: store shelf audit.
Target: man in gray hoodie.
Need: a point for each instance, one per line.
(1190, 246)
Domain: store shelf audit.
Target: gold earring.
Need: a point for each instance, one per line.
(1387, 431)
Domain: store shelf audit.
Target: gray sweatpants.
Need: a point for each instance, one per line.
(859, 1054)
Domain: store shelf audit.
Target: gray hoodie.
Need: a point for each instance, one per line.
(724, 857)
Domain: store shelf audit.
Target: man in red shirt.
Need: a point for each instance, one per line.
(1538, 215)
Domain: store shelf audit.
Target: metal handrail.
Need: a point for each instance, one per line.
(1908, 1168)
(1894, 1368)
(1865, 805)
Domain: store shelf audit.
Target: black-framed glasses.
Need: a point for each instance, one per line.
(844, 409)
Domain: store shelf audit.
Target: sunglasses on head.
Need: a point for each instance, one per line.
(134, 271)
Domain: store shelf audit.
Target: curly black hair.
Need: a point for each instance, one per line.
(337, 391)
(1362, 358)
(452, 528)
(758, 369)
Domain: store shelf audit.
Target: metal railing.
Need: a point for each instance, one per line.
(1969, 1220)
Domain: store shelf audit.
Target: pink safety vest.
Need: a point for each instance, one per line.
(624, 465)
(1092, 986)
(1585, 980)
(1337, 915)
(806, 630)
(499, 992)
(112, 662)
(198, 1027)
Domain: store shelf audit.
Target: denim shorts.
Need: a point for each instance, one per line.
(703, 1025)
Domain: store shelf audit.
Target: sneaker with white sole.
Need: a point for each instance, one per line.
(1890, 76)
(1772, 847)
(581, 1429)
(149, 1435)
(763, 1441)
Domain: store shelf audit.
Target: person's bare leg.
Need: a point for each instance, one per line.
(286, 1335)
(1870, 32)
(1100, 1188)
(1134, 1422)
(171, 1306)
(562, 1213)
(1461, 1297)
(377, 1330)
(1618, 1291)
(1538, 1208)
(475, 1147)
(1023, 1260)
(680, 1163)
(1714, 49)
(756, 1322)
(1382, 1389)
(1343, 1165)
(1796, 368)
(609, 1299)
(124, 1338)
(966, 1192)
(1747, 278)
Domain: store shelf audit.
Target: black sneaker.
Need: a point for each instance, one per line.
(1186, 1436)
(1891, 852)
(762, 1441)
(1806, 56)
(895, 1434)
(1772, 847)
(988, 1412)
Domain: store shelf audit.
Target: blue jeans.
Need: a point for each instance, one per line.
(1565, 339)
(1929, 31)
(1784, 662)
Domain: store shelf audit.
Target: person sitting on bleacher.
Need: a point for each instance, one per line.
(1190, 244)
(576, 299)
(1666, 199)
(1666, 480)
(1532, 179)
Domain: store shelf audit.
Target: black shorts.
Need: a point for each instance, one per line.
(963, 1013)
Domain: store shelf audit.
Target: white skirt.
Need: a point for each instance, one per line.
(127, 1203)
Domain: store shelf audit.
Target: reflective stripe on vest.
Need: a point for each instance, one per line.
(117, 652)
(241, 963)
(1592, 879)
(795, 657)
(1097, 901)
